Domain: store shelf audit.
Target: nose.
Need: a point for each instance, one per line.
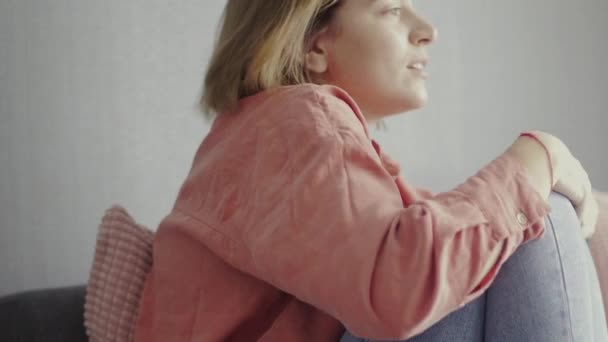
(423, 33)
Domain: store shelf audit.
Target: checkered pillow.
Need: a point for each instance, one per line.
(122, 259)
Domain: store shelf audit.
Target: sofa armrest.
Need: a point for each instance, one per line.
(49, 315)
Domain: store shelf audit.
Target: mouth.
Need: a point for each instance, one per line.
(418, 65)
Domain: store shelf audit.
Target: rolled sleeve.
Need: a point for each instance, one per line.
(503, 192)
(515, 214)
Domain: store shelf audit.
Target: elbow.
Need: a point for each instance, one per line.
(395, 320)
(397, 331)
(390, 329)
(403, 329)
(407, 285)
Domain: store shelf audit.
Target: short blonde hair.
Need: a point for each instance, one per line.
(261, 45)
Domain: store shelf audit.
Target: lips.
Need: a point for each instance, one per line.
(418, 67)
(418, 64)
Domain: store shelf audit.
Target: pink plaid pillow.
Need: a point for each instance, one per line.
(122, 259)
(598, 243)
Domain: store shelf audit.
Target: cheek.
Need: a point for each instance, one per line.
(366, 50)
(386, 56)
(373, 58)
(396, 52)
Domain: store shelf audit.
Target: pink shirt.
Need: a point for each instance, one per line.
(293, 225)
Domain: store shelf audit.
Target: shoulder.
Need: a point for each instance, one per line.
(316, 109)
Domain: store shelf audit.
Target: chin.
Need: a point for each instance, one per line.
(412, 101)
(419, 101)
(397, 103)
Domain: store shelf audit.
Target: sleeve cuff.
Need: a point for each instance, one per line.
(505, 195)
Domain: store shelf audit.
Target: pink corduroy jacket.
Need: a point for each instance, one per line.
(293, 225)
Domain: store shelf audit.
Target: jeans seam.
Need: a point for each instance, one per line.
(563, 276)
(485, 312)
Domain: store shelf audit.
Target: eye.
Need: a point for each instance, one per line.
(395, 11)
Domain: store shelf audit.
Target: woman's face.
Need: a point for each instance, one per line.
(376, 51)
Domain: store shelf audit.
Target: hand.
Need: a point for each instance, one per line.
(571, 180)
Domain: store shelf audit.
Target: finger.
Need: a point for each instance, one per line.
(588, 211)
(587, 231)
(588, 214)
(570, 186)
(589, 208)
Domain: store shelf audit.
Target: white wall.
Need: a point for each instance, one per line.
(97, 106)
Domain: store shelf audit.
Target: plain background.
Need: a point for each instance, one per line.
(98, 106)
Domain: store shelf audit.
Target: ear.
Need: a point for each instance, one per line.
(317, 58)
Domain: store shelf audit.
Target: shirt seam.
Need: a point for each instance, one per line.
(232, 243)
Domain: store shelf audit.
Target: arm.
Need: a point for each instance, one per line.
(341, 240)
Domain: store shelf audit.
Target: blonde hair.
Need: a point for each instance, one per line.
(261, 45)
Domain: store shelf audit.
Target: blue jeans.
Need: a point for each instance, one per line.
(547, 291)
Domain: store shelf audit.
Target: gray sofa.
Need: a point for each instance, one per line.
(46, 315)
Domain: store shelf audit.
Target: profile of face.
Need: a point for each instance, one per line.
(376, 50)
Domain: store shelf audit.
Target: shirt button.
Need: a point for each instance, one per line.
(522, 219)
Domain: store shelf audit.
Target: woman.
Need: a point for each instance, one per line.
(293, 225)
